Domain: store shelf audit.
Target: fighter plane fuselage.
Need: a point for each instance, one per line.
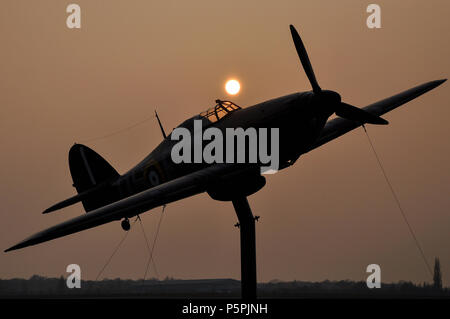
(297, 116)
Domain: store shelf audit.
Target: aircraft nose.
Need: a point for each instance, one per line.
(330, 97)
(326, 101)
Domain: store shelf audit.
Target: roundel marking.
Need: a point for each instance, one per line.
(153, 177)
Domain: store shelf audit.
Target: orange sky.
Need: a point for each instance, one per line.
(327, 217)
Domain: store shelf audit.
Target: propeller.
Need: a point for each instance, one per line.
(351, 112)
(332, 99)
(303, 55)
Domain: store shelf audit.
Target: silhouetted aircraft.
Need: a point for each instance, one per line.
(302, 119)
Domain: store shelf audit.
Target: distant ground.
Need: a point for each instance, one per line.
(42, 287)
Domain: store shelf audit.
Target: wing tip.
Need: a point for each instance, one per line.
(24, 243)
(435, 83)
(12, 248)
(428, 86)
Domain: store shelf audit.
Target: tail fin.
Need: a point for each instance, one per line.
(89, 170)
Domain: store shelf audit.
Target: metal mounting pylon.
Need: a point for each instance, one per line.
(248, 247)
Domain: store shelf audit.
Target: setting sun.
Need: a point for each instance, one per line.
(232, 87)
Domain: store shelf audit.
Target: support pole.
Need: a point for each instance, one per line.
(248, 247)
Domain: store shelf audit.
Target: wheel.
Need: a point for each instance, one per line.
(125, 224)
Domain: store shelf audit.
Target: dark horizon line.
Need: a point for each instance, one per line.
(272, 281)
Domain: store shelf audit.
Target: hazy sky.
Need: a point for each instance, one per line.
(327, 217)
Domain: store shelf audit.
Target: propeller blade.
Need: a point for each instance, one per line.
(303, 55)
(353, 113)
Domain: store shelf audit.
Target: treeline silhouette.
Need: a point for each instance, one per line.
(42, 287)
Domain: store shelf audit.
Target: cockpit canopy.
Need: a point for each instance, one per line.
(220, 110)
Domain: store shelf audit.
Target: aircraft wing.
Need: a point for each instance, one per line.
(199, 181)
(168, 192)
(339, 126)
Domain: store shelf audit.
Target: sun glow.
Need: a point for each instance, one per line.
(232, 87)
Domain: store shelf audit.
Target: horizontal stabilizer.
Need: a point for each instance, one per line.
(75, 199)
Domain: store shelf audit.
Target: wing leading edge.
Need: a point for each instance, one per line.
(168, 192)
(339, 126)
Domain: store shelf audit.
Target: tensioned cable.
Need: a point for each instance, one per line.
(154, 241)
(118, 131)
(148, 246)
(115, 250)
(398, 203)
